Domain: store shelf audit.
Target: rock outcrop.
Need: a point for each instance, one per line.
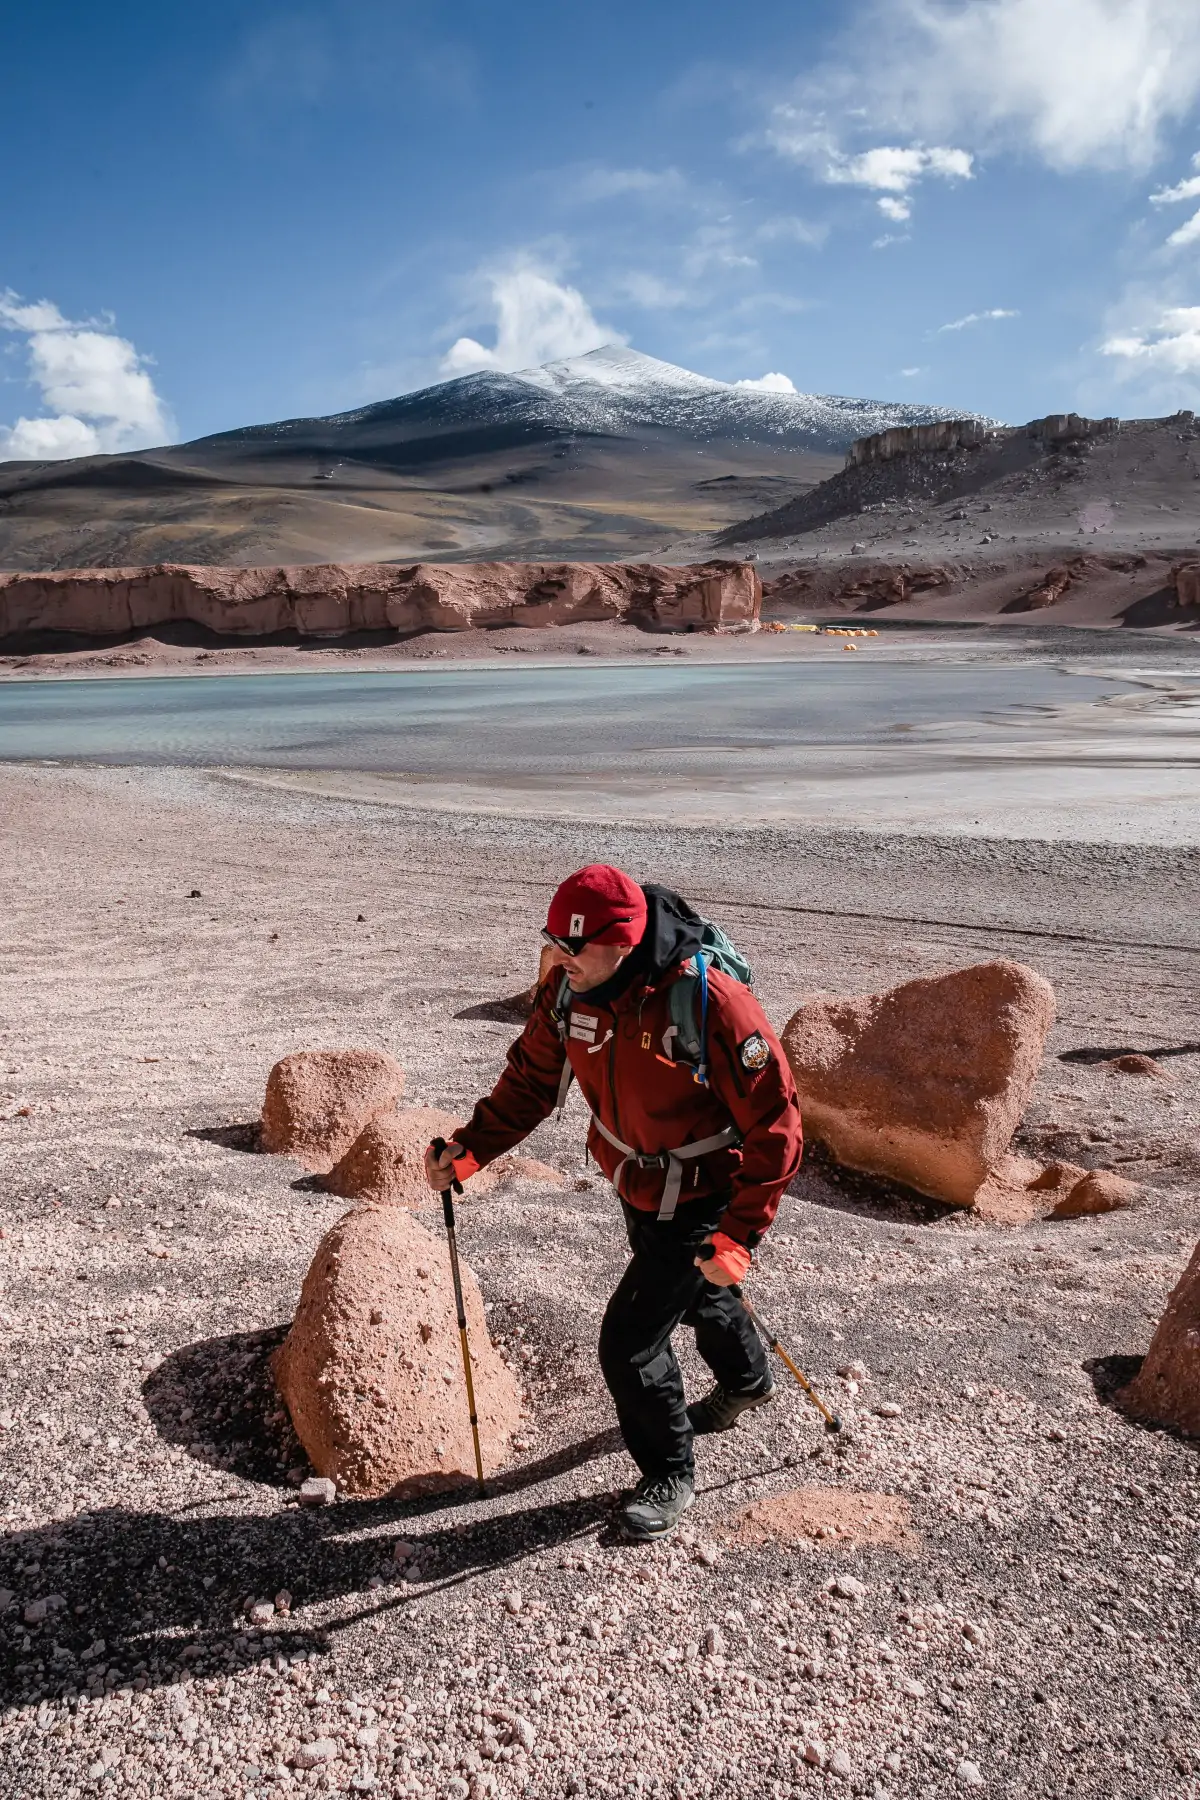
(386, 1162)
(328, 599)
(925, 1083)
(1185, 579)
(318, 1101)
(1166, 1390)
(908, 440)
(371, 1370)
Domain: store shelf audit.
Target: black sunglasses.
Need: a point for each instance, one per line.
(573, 945)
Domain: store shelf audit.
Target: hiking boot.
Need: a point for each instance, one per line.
(720, 1410)
(656, 1505)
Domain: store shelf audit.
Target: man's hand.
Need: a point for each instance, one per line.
(439, 1170)
(723, 1261)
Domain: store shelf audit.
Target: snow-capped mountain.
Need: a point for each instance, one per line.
(611, 392)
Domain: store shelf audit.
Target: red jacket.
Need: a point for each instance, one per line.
(654, 1104)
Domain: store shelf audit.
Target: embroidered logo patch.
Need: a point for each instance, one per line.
(576, 925)
(755, 1052)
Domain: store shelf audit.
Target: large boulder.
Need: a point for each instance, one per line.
(386, 1162)
(1166, 1390)
(924, 1083)
(371, 1370)
(318, 1101)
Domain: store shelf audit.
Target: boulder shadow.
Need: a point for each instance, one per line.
(1095, 1053)
(217, 1400)
(513, 1011)
(823, 1181)
(1109, 1374)
(149, 1596)
(245, 1136)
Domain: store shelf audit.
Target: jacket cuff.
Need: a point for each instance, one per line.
(740, 1232)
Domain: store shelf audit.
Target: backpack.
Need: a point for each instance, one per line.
(687, 1034)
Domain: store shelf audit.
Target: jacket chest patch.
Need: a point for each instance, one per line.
(583, 1026)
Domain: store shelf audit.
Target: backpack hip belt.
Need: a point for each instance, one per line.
(670, 1160)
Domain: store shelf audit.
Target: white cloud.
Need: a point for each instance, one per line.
(97, 389)
(1189, 189)
(893, 170)
(908, 374)
(652, 292)
(978, 318)
(1188, 233)
(538, 320)
(1079, 83)
(772, 383)
(789, 229)
(1171, 346)
(614, 184)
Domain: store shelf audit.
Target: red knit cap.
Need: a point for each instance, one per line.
(599, 903)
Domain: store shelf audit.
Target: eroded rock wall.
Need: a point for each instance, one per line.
(329, 599)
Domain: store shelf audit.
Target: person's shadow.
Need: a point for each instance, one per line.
(154, 1594)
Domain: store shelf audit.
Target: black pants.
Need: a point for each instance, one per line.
(661, 1289)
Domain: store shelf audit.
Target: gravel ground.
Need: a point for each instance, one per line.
(173, 1623)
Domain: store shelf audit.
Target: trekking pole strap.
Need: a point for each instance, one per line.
(671, 1161)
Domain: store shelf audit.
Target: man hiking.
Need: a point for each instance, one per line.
(699, 1148)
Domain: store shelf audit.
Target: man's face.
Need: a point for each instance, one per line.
(588, 967)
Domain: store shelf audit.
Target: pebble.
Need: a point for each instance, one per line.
(813, 1752)
(262, 1612)
(513, 1601)
(316, 1752)
(847, 1587)
(840, 1764)
(914, 1689)
(974, 1634)
(969, 1774)
(706, 1555)
(888, 1410)
(714, 1641)
(317, 1490)
(367, 1736)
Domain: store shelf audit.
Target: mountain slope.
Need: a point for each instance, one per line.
(592, 458)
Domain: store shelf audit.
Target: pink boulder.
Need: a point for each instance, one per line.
(1099, 1191)
(318, 1101)
(386, 1162)
(925, 1083)
(371, 1371)
(1166, 1390)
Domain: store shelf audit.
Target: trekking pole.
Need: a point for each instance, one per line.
(832, 1422)
(439, 1144)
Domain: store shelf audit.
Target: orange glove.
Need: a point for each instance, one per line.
(727, 1261)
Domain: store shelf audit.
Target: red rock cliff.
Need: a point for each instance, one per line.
(327, 599)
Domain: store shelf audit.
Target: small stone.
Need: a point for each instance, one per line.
(6, 1599)
(813, 1752)
(401, 1551)
(888, 1410)
(840, 1764)
(318, 1490)
(457, 1788)
(847, 1587)
(973, 1633)
(854, 1371)
(35, 1612)
(914, 1689)
(714, 1641)
(969, 1774)
(262, 1612)
(312, 1755)
(367, 1736)
(283, 1601)
(706, 1555)
(513, 1601)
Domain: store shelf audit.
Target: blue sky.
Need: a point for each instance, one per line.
(244, 211)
